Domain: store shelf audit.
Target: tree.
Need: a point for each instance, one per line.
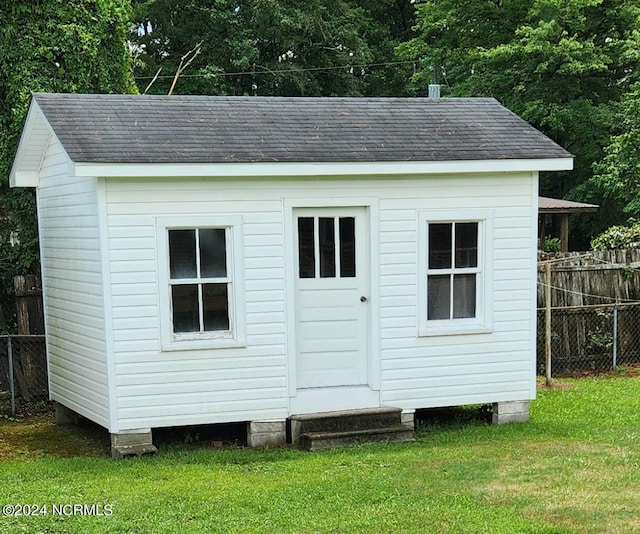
(55, 46)
(272, 47)
(618, 173)
(563, 65)
(385, 25)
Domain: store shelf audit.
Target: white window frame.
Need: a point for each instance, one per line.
(235, 336)
(482, 322)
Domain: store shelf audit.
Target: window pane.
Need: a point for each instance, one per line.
(327, 239)
(464, 296)
(182, 254)
(306, 254)
(347, 247)
(439, 292)
(184, 300)
(440, 246)
(213, 253)
(466, 245)
(216, 307)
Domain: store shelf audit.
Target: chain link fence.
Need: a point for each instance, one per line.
(590, 338)
(584, 339)
(24, 385)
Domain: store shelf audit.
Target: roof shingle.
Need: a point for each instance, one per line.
(211, 129)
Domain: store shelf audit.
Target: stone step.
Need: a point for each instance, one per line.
(313, 441)
(345, 421)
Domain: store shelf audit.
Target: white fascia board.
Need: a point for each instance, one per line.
(23, 174)
(159, 170)
(18, 175)
(23, 178)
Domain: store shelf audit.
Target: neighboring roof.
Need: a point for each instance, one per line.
(555, 205)
(205, 129)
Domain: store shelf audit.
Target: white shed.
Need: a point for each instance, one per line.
(246, 259)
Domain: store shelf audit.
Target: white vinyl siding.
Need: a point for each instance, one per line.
(73, 289)
(491, 365)
(208, 382)
(156, 388)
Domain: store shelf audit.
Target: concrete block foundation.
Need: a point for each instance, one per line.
(66, 416)
(408, 419)
(510, 412)
(132, 443)
(271, 433)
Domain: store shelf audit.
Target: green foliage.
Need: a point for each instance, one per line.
(618, 238)
(551, 244)
(273, 47)
(618, 173)
(564, 66)
(54, 46)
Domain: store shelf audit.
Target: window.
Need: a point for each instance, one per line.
(452, 270)
(198, 280)
(454, 277)
(199, 266)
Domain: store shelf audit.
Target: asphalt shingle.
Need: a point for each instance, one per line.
(211, 129)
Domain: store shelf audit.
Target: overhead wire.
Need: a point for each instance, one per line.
(285, 71)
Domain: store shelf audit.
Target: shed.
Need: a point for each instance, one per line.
(555, 207)
(246, 259)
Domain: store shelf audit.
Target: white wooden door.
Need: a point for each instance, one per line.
(332, 308)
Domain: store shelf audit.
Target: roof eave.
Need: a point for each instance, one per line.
(569, 210)
(293, 169)
(37, 136)
(20, 175)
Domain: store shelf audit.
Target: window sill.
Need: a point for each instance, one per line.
(199, 344)
(454, 331)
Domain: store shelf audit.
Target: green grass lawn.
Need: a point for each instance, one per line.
(574, 468)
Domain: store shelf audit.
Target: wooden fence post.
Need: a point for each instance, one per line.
(29, 362)
(547, 323)
(30, 314)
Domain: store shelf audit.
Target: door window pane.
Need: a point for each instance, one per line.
(439, 291)
(327, 244)
(184, 299)
(215, 307)
(182, 254)
(213, 253)
(347, 247)
(306, 248)
(466, 245)
(440, 246)
(464, 296)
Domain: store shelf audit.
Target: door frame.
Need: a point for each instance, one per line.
(370, 206)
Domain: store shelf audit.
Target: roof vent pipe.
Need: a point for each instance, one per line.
(434, 90)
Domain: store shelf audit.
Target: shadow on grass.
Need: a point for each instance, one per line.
(37, 436)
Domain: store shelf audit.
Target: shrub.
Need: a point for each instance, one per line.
(618, 237)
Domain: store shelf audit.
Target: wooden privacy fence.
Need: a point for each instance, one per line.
(593, 302)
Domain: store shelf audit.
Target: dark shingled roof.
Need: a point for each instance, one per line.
(212, 129)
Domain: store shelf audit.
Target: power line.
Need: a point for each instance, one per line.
(285, 71)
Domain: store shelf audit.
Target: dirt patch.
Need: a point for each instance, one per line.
(555, 384)
(38, 435)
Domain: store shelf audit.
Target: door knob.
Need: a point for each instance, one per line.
(363, 299)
